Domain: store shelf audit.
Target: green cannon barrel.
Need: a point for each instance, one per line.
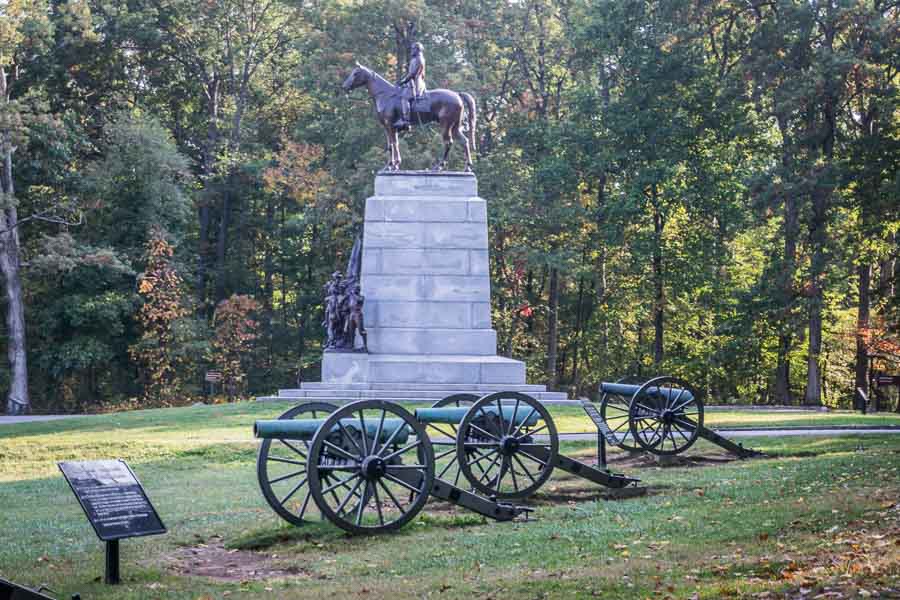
(452, 415)
(305, 429)
(624, 389)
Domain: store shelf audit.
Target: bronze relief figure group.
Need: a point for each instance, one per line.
(344, 314)
(399, 107)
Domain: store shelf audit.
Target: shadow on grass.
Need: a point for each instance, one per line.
(321, 535)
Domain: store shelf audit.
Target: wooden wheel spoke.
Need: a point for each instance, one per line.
(491, 466)
(524, 469)
(350, 494)
(288, 461)
(483, 432)
(294, 491)
(515, 433)
(288, 476)
(512, 472)
(363, 434)
(534, 432)
(649, 410)
(304, 505)
(361, 505)
(670, 402)
(402, 451)
(347, 435)
(378, 431)
(512, 422)
(341, 451)
(686, 423)
(377, 503)
(402, 483)
(292, 447)
(441, 431)
(340, 483)
(533, 458)
(390, 495)
(391, 439)
(446, 468)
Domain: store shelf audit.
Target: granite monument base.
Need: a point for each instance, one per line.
(425, 278)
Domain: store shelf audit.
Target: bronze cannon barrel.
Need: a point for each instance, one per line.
(305, 429)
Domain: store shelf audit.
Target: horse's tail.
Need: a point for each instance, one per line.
(469, 101)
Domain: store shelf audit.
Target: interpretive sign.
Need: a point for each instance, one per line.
(112, 499)
(883, 380)
(12, 591)
(115, 504)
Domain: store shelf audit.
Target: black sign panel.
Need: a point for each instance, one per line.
(888, 379)
(11, 591)
(112, 498)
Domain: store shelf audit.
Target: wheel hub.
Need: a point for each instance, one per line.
(509, 445)
(668, 417)
(373, 467)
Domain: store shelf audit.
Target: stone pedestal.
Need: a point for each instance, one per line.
(427, 287)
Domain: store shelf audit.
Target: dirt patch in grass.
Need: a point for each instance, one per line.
(645, 460)
(213, 560)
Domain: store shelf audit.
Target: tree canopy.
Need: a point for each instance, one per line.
(708, 190)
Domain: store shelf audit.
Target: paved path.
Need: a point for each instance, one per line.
(767, 432)
(4, 420)
(589, 437)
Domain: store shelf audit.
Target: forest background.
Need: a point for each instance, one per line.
(708, 189)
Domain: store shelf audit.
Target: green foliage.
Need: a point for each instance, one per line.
(662, 162)
(162, 361)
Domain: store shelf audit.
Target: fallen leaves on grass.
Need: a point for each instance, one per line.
(861, 560)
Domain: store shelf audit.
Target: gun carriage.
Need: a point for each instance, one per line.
(371, 465)
(663, 416)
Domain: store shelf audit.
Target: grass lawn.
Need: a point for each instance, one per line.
(819, 515)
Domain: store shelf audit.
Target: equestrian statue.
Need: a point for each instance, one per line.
(398, 107)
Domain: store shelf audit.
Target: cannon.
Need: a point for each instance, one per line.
(663, 416)
(371, 465)
(507, 445)
(368, 466)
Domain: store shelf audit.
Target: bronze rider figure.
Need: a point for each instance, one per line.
(413, 85)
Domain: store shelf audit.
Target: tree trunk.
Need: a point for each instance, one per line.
(222, 241)
(203, 208)
(658, 292)
(553, 327)
(783, 393)
(821, 197)
(579, 324)
(813, 396)
(17, 401)
(864, 273)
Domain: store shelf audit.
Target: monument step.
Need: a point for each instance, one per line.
(406, 387)
(377, 394)
(398, 396)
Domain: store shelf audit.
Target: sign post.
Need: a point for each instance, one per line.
(213, 377)
(115, 504)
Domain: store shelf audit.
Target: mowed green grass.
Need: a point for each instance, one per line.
(722, 529)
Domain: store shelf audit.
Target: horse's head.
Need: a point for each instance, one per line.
(359, 76)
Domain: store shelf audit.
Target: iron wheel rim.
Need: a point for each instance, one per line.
(488, 451)
(351, 510)
(653, 428)
(298, 489)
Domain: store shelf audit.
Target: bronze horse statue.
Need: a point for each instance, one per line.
(442, 106)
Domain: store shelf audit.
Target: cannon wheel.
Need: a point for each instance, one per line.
(447, 449)
(614, 410)
(281, 467)
(369, 485)
(668, 423)
(495, 458)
